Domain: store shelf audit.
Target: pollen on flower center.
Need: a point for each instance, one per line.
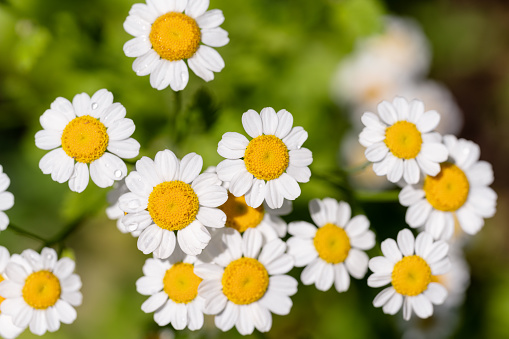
(173, 205)
(411, 275)
(239, 215)
(180, 283)
(41, 290)
(245, 281)
(266, 157)
(175, 36)
(332, 243)
(85, 139)
(403, 140)
(448, 190)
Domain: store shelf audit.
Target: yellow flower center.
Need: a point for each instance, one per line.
(173, 205)
(42, 290)
(332, 243)
(175, 36)
(85, 139)
(448, 190)
(245, 281)
(411, 276)
(239, 215)
(266, 157)
(403, 140)
(180, 283)
(1, 298)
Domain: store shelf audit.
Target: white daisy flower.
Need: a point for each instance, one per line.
(40, 291)
(168, 195)
(79, 134)
(247, 282)
(173, 289)
(165, 36)
(458, 195)
(409, 274)
(403, 44)
(269, 167)
(333, 251)
(262, 219)
(6, 199)
(7, 329)
(402, 143)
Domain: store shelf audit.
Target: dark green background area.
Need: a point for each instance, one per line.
(282, 54)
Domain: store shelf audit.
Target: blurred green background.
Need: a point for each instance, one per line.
(281, 54)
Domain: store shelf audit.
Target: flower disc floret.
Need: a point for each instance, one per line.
(403, 140)
(239, 215)
(180, 283)
(411, 276)
(332, 243)
(448, 190)
(173, 205)
(245, 281)
(175, 36)
(266, 157)
(85, 139)
(41, 290)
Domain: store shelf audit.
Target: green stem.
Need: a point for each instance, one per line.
(26, 233)
(58, 239)
(359, 168)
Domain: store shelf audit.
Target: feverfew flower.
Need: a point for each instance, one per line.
(334, 251)
(269, 166)
(79, 134)
(40, 291)
(247, 282)
(410, 275)
(7, 329)
(165, 37)
(262, 219)
(173, 289)
(400, 140)
(6, 199)
(168, 195)
(458, 194)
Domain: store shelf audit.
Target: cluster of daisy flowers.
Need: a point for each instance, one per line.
(446, 189)
(218, 242)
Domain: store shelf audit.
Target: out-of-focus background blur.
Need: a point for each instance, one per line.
(321, 60)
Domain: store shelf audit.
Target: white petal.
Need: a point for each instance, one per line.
(417, 214)
(228, 317)
(411, 171)
(387, 112)
(381, 265)
(376, 152)
(252, 123)
(326, 278)
(195, 8)
(428, 121)
(437, 252)
(48, 139)
(422, 306)
(341, 278)
(383, 297)
(302, 229)
(210, 19)
(66, 312)
(199, 68)
(126, 149)
(285, 123)
(241, 183)
(272, 251)
(162, 74)
(277, 303)
(136, 26)
(269, 120)
(406, 242)
(251, 243)
(80, 177)
(108, 168)
(137, 47)
(357, 263)
(295, 138)
(410, 195)
(190, 167)
(180, 75)
(423, 244)
(396, 172)
(436, 293)
(390, 250)
(81, 104)
(154, 302)
(58, 164)
(150, 239)
(393, 305)
(215, 37)
(311, 272)
(358, 225)
(167, 245)
(145, 64)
